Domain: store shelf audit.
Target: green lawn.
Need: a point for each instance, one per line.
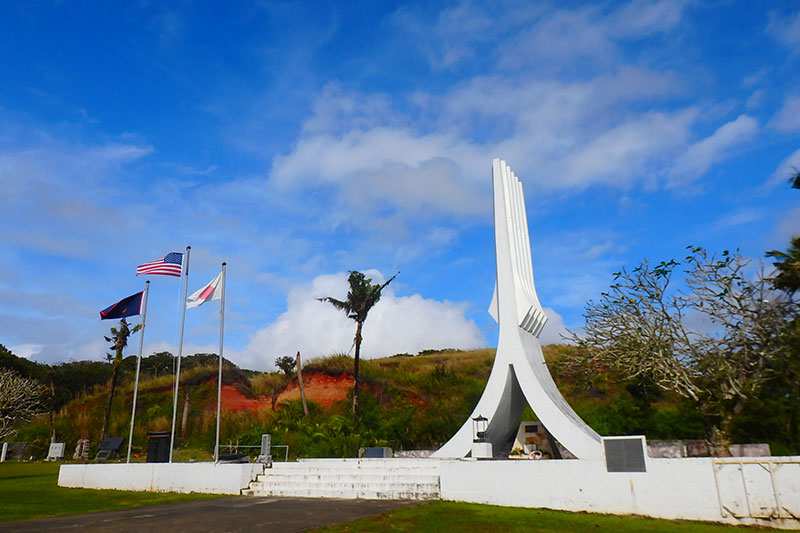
(443, 517)
(30, 490)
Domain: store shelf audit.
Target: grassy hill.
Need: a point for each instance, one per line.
(410, 402)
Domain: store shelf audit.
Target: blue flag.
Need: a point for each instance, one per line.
(132, 305)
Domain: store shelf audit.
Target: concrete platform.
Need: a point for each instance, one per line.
(761, 491)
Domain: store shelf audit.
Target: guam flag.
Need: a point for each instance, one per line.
(132, 305)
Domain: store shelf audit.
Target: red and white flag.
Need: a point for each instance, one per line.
(212, 291)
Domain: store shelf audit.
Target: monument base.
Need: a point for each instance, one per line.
(481, 450)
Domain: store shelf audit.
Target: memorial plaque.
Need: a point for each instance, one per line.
(624, 454)
(56, 451)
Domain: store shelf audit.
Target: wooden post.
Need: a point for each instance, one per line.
(300, 381)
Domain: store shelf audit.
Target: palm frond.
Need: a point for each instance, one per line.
(338, 304)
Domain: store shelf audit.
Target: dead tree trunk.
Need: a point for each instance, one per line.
(185, 420)
(300, 382)
(52, 410)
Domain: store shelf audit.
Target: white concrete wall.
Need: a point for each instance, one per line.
(671, 488)
(161, 477)
(707, 489)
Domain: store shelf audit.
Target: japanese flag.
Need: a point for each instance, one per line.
(212, 291)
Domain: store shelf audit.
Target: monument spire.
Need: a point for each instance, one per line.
(519, 373)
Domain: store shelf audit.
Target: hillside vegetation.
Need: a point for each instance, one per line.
(407, 402)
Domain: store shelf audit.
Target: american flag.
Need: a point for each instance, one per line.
(169, 266)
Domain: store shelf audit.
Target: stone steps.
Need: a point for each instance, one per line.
(396, 479)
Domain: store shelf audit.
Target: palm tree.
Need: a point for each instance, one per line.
(119, 340)
(361, 297)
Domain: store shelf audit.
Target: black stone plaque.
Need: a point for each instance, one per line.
(625, 454)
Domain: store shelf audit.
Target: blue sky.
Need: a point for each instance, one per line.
(297, 141)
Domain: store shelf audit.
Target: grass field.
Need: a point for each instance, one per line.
(443, 517)
(30, 490)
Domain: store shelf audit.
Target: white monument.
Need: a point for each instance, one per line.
(519, 373)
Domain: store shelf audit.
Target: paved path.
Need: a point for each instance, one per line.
(238, 513)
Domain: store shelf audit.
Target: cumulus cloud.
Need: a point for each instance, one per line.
(397, 324)
(574, 134)
(376, 166)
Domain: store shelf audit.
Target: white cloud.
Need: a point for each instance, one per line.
(553, 329)
(397, 324)
(785, 170)
(454, 36)
(737, 218)
(700, 156)
(587, 36)
(756, 99)
(71, 184)
(571, 134)
(641, 18)
(528, 34)
(787, 227)
(620, 155)
(785, 29)
(382, 167)
(788, 117)
(26, 350)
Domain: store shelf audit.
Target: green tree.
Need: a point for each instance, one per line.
(787, 265)
(640, 329)
(781, 397)
(286, 363)
(118, 340)
(362, 296)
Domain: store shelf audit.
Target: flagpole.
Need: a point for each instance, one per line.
(219, 377)
(138, 367)
(180, 352)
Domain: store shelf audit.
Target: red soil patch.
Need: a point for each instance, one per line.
(320, 387)
(233, 400)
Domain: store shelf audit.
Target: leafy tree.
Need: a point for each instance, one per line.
(787, 264)
(642, 329)
(21, 399)
(286, 363)
(781, 398)
(158, 363)
(118, 340)
(361, 297)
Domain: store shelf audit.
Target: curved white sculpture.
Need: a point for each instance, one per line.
(519, 372)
